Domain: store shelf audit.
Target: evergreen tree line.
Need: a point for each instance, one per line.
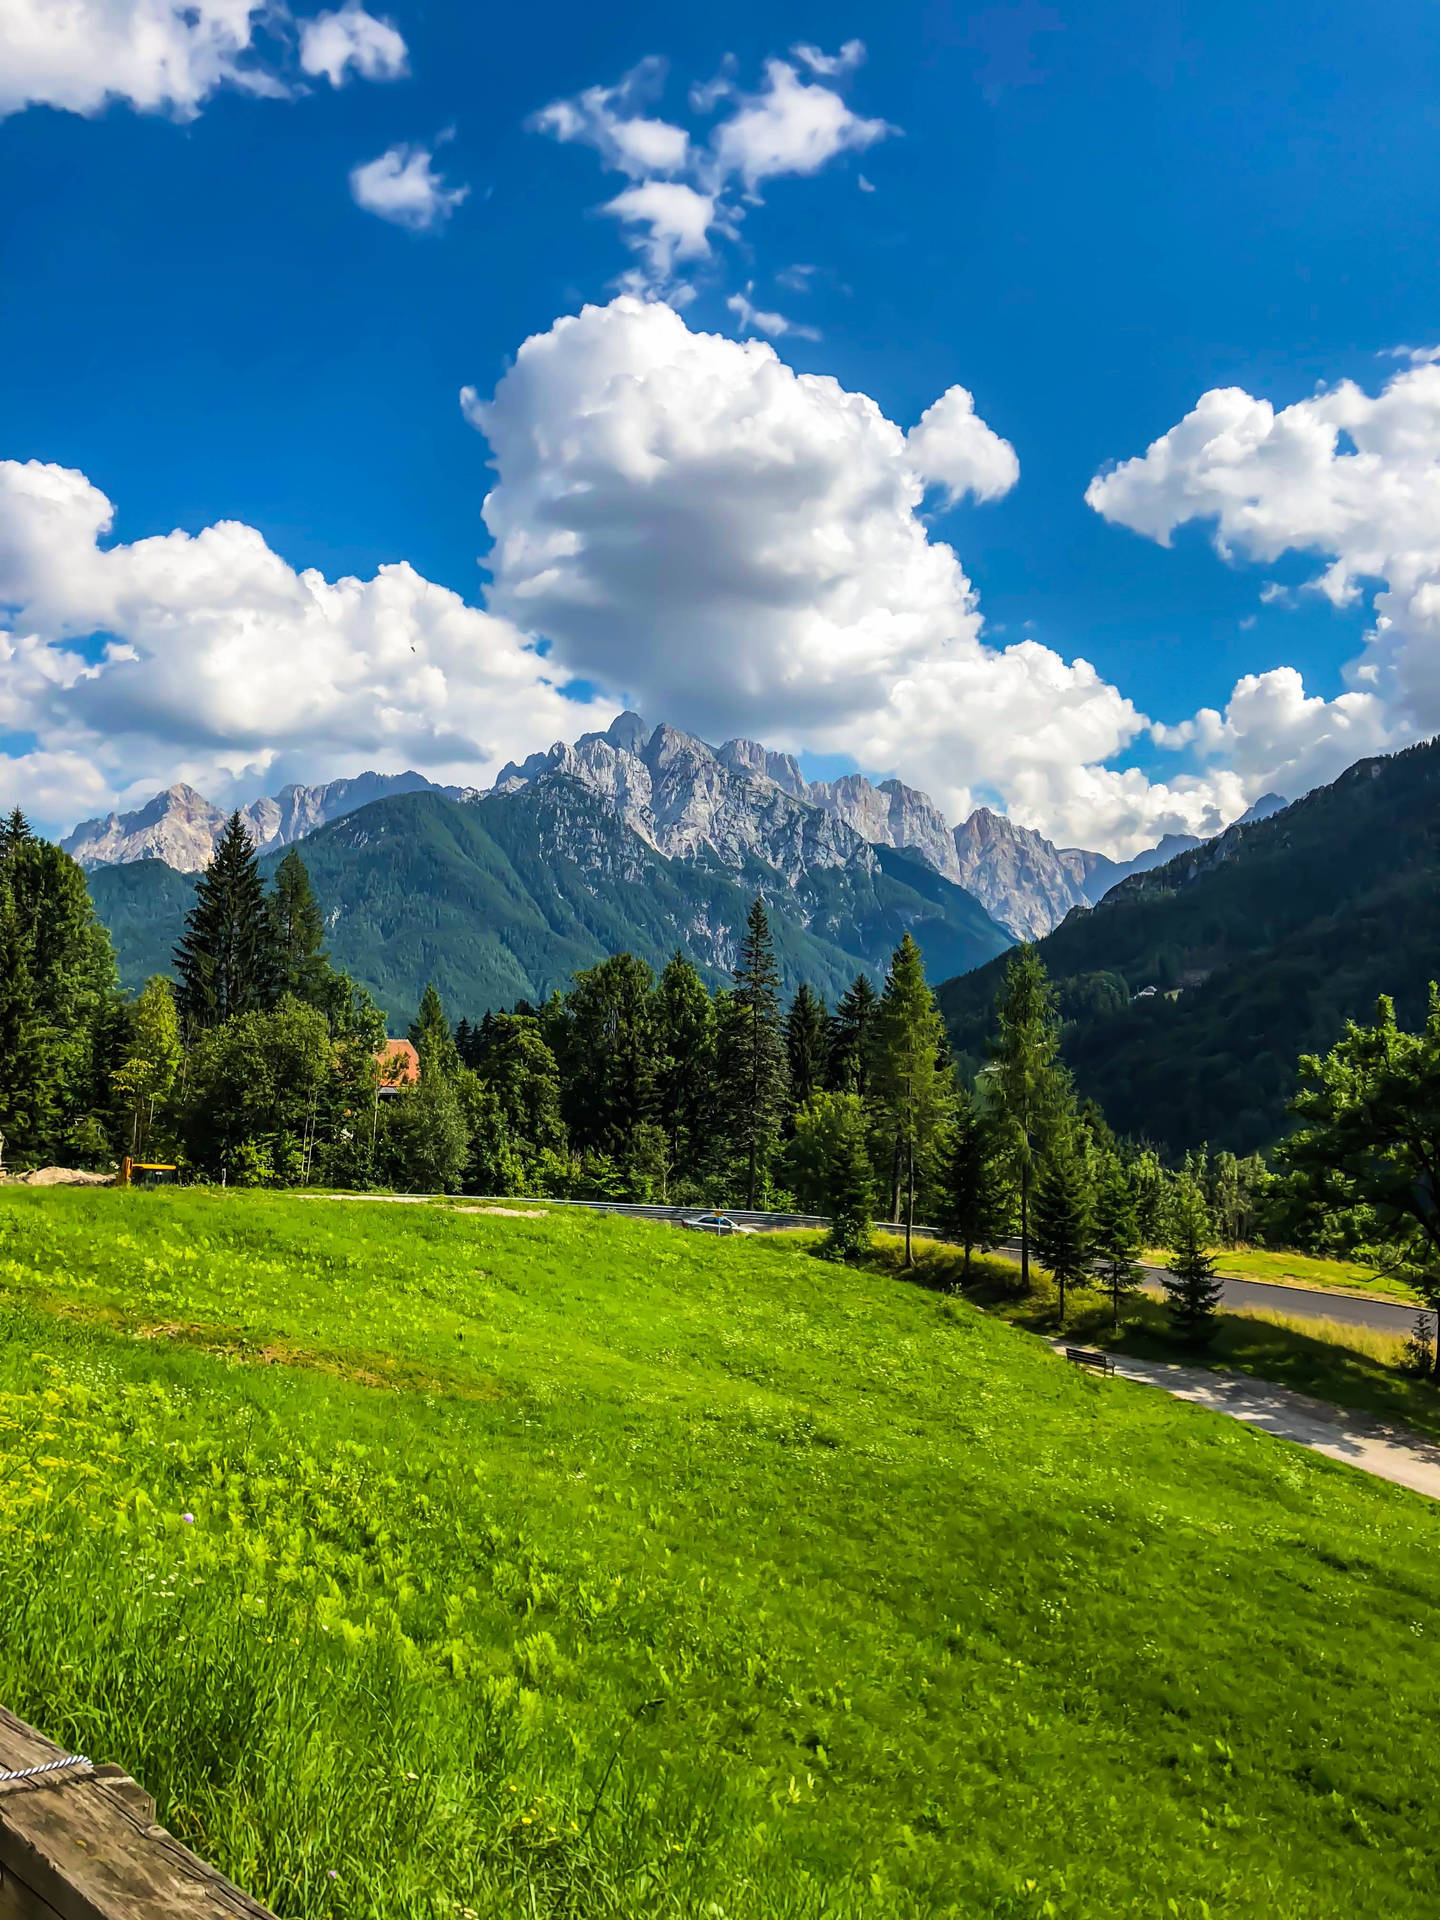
(264, 1064)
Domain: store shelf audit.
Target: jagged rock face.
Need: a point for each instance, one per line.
(891, 815)
(181, 828)
(178, 826)
(690, 802)
(1018, 876)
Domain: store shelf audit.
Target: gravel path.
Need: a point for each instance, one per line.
(1391, 1453)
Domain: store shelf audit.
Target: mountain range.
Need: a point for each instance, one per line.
(1191, 989)
(686, 800)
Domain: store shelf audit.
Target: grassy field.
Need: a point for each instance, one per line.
(1359, 1367)
(425, 1564)
(1304, 1270)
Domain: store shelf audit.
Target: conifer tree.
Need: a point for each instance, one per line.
(850, 1056)
(1032, 1090)
(685, 1016)
(1118, 1239)
(1192, 1292)
(849, 1182)
(806, 1036)
(977, 1203)
(753, 1057)
(431, 1037)
(14, 832)
(226, 955)
(607, 1040)
(1064, 1221)
(25, 1100)
(912, 1072)
(297, 929)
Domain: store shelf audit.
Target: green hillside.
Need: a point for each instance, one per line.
(505, 899)
(1269, 938)
(430, 1563)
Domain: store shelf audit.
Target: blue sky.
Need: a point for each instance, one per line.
(1087, 218)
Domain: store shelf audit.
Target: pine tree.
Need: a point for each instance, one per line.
(977, 1203)
(849, 1182)
(685, 1018)
(753, 1058)
(297, 929)
(431, 1037)
(226, 956)
(26, 1101)
(1192, 1292)
(608, 1045)
(1118, 1240)
(1064, 1217)
(1031, 1089)
(850, 1055)
(912, 1072)
(806, 1037)
(14, 832)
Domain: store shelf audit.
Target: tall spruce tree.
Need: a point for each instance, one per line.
(297, 931)
(25, 1098)
(685, 1018)
(226, 956)
(753, 1057)
(608, 1047)
(1192, 1292)
(1064, 1214)
(977, 1201)
(912, 1073)
(431, 1037)
(1117, 1234)
(851, 1052)
(806, 1042)
(14, 832)
(1031, 1089)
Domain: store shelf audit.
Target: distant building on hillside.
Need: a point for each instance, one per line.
(399, 1067)
(1145, 993)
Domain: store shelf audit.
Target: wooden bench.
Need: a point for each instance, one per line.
(1086, 1357)
(79, 1842)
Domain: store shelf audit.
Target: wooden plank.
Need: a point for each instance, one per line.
(82, 1844)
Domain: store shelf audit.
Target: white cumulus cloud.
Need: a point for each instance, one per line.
(789, 126)
(952, 448)
(224, 664)
(668, 222)
(1353, 479)
(403, 186)
(333, 43)
(159, 55)
(740, 549)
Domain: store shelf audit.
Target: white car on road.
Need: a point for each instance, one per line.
(715, 1223)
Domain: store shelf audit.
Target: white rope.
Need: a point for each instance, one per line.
(48, 1766)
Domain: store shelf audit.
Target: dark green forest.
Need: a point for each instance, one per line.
(1258, 945)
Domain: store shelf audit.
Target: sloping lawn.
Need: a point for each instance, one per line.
(424, 1563)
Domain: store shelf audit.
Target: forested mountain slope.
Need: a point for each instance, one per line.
(505, 897)
(1268, 938)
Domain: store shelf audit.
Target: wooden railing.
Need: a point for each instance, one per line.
(80, 1842)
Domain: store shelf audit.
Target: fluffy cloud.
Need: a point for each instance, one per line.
(333, 43)
(1349, 477)
(611, 120)
(224, 664)
(789, 126)
(753, 319)
(740, 549)
(678, 197)
(403, 186)
(159, 55)
(952, 448)
(169, 56)
(668, 222)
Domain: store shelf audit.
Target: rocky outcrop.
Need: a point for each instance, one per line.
(890, 815)
(181, 827)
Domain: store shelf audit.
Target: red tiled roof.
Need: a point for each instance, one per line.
(399, 1064)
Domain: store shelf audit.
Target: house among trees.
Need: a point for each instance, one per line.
(399, 1065)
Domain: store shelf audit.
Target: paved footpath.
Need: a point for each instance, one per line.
(1391, 1453)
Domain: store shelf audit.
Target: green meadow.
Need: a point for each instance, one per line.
(427, 1562)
